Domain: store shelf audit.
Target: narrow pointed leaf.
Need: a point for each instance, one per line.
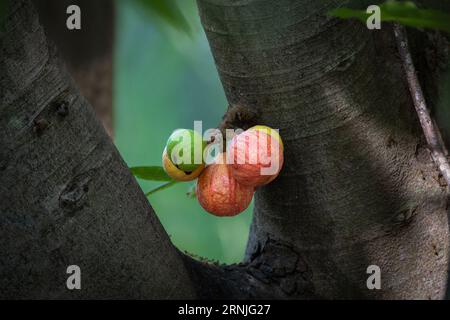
(167, 10)
(152, 173)
(405, 13)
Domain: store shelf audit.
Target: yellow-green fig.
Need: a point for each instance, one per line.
(176, 173)
(185, 149)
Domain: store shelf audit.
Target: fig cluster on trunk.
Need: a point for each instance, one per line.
(225, 187)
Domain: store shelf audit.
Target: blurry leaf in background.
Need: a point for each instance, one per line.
(167, 10)
(161, 187)
(152, 173)
(405, 13)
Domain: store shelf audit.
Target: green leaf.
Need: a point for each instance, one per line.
(153, 173)
(347, 13)
(405, 13)
(167, 10)
(161, 187)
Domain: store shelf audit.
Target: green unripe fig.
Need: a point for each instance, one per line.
(177, 174)
(185, 149)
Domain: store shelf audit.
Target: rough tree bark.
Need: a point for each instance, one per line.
(66, 196)
(87, 53)
(358, 186)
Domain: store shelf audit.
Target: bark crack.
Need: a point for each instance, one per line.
(275, 270)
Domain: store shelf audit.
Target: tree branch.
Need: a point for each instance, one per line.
(275, 271)
(66, 195)
(357, 187)
(430, 131)
(88, 53)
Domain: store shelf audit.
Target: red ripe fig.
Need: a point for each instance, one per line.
(219, 193)
(255, 156)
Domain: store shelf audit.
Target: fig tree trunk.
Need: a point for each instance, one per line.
(66, 195)
(88, 52)
(358, 188)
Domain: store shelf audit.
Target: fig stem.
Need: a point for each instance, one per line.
(161, 187)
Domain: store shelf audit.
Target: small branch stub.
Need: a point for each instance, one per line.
(429, 129)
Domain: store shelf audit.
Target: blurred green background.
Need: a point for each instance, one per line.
(165, 79)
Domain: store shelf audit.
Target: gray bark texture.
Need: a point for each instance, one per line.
(66, 196)
(87, 53)
(358, 187)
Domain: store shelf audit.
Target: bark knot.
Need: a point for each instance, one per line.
(238, 117)
(74, 195)
(278, 263)
(40, 125)
(62, 103)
